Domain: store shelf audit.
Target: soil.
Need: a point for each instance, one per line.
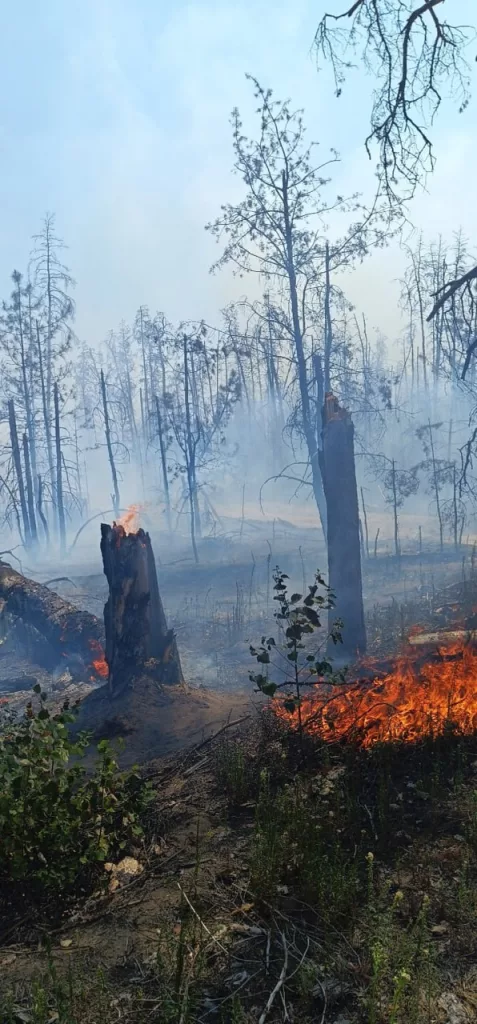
(195, 866)
(159, 720)
(199, 847)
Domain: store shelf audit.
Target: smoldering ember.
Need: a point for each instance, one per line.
(238, 530)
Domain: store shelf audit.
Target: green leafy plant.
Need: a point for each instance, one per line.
(294, 666)
(57, 824)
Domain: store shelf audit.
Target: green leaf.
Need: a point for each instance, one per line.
(268, 688)
(312, 617)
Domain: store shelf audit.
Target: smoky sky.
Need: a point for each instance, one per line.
(115, 115)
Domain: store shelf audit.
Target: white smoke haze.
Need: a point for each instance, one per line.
(136, 158)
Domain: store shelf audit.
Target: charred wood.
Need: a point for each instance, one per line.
(137, 638)
(343, 540)
(65, 634)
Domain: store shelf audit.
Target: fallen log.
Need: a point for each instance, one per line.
(52, 630)
(439, 638)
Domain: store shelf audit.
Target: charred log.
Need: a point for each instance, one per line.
(344, 554)
(57, 630)
(137, 638)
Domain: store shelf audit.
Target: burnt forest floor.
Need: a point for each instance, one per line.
(329, 884)
(224, 604)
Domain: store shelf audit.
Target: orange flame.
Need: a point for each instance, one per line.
(99, 664)
(406, 704)
(129, 521)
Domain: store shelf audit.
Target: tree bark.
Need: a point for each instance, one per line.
(39, 505)
(328, 325)
(137, 638)
(46, 420)
(165, 478)
(30, 491)
(64, 629)
(344, 555)
(107, 430)
(19, 472)
(60, 505)
(190, 453)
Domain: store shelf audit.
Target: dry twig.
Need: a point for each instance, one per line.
(280, 983)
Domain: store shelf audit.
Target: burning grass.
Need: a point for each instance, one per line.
(415, 699)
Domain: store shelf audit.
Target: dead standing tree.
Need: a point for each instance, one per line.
(109, 445)
(27, 534)
(137, 638)
(344, 552)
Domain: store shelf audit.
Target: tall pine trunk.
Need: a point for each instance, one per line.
(30, 492)
(165, 478)
(39, 505)
(59, 473)
(190, 455)
(109, 445)
(19, 473)
(46, 423)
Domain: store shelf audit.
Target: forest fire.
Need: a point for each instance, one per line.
(99, 663)
(410, 702)
(129, 521)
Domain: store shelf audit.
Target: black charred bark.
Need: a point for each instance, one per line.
(137, 638)
(344, 554)
(65, 634)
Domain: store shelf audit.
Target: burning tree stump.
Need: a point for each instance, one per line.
(139, 703)
(137, 638)
(344, 554)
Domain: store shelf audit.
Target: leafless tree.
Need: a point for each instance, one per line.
(279, 230)
(414, 56)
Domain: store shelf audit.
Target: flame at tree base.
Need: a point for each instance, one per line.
(406, 704)
(99, 663)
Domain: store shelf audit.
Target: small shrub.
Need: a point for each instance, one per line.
(294, 666)
(57, 825)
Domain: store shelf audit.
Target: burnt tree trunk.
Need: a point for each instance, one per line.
(30, 490)
(137, 637)
(109, 444)
(60, 505)
(19, 473)
(344, 555)
(165, 478)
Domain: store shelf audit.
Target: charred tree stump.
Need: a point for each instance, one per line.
(137, 638)
(344, 555)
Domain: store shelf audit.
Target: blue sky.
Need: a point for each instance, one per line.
(114, 114)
